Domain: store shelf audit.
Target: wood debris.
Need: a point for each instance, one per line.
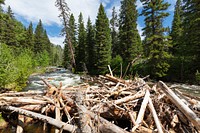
(108, 105)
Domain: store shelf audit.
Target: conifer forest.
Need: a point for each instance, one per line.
(170, 54)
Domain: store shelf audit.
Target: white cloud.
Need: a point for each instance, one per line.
(57, 40)
(33, 10)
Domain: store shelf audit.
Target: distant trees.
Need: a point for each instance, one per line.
(22, 50)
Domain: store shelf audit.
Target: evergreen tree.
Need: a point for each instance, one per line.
(39, 36)
(72, 32)
(130, 41)
(90, 47)
(30, 37)
(65, 15)
(47, 43)
(177, 28)
(114, 34)
(80, 51)
(156, 43)
(9, 36)
(191, 34)
(103, 41)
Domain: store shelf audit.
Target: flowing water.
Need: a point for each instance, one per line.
(54, 78)
(35, 83)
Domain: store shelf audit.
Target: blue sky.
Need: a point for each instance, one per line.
(28, 11)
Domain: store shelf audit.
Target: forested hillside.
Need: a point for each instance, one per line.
(23, 50)
(171, 54)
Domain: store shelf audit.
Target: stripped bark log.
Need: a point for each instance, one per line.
(129, 98)
(155, 116)
(182, 107)
(142, 110)
(54, 122)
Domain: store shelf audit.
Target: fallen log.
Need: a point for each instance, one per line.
(182, 107)
(51, 121)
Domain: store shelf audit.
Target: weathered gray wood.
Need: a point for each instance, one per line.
(155, 116)
(54, 122)
(182, 107)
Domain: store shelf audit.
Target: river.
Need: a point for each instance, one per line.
(54, 78)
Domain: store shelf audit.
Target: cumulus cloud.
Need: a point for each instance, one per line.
(33, 10)
(57, 40)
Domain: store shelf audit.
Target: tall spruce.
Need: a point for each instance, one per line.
(191, 34)
(103, 41)
(39, 36)
(177, 29)
(9, 36)
(130, 41)
(90, 47)
(30, 37)
(72, 33)
(80, 51)
(156, 43)
(114, 34)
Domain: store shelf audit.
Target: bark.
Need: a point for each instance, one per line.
(51, 121)
(182, 107)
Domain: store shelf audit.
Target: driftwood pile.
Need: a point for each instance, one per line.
(108, 105)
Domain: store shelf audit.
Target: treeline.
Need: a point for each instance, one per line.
(172, 55)
(22, 50)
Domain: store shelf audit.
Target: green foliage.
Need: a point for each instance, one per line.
(7, 68)
(197, 76)
(116, 64)
(114, 34)
(90, 47)
(72, 32)
(81, 48)
(103, 41)
(130, 41)
(156, 44)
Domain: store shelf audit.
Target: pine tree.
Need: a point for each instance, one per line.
(156, 43)
(9, 36)
(72, 33)
(130, 41)
(177, 29)
(114, 25)
(90, 47)
(39, 36)
(80, 51)
(30, 37)
(47, 43)
(103, 41)
(72, 30)
(191, 34)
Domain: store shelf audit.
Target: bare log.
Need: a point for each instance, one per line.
(183, 108)
(29, 93)
(114, 79)
(155, 116)
(54, 122)
(142, 110)
(129, 98)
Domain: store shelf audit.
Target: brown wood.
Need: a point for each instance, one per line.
(54, 122)
(183, 108)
